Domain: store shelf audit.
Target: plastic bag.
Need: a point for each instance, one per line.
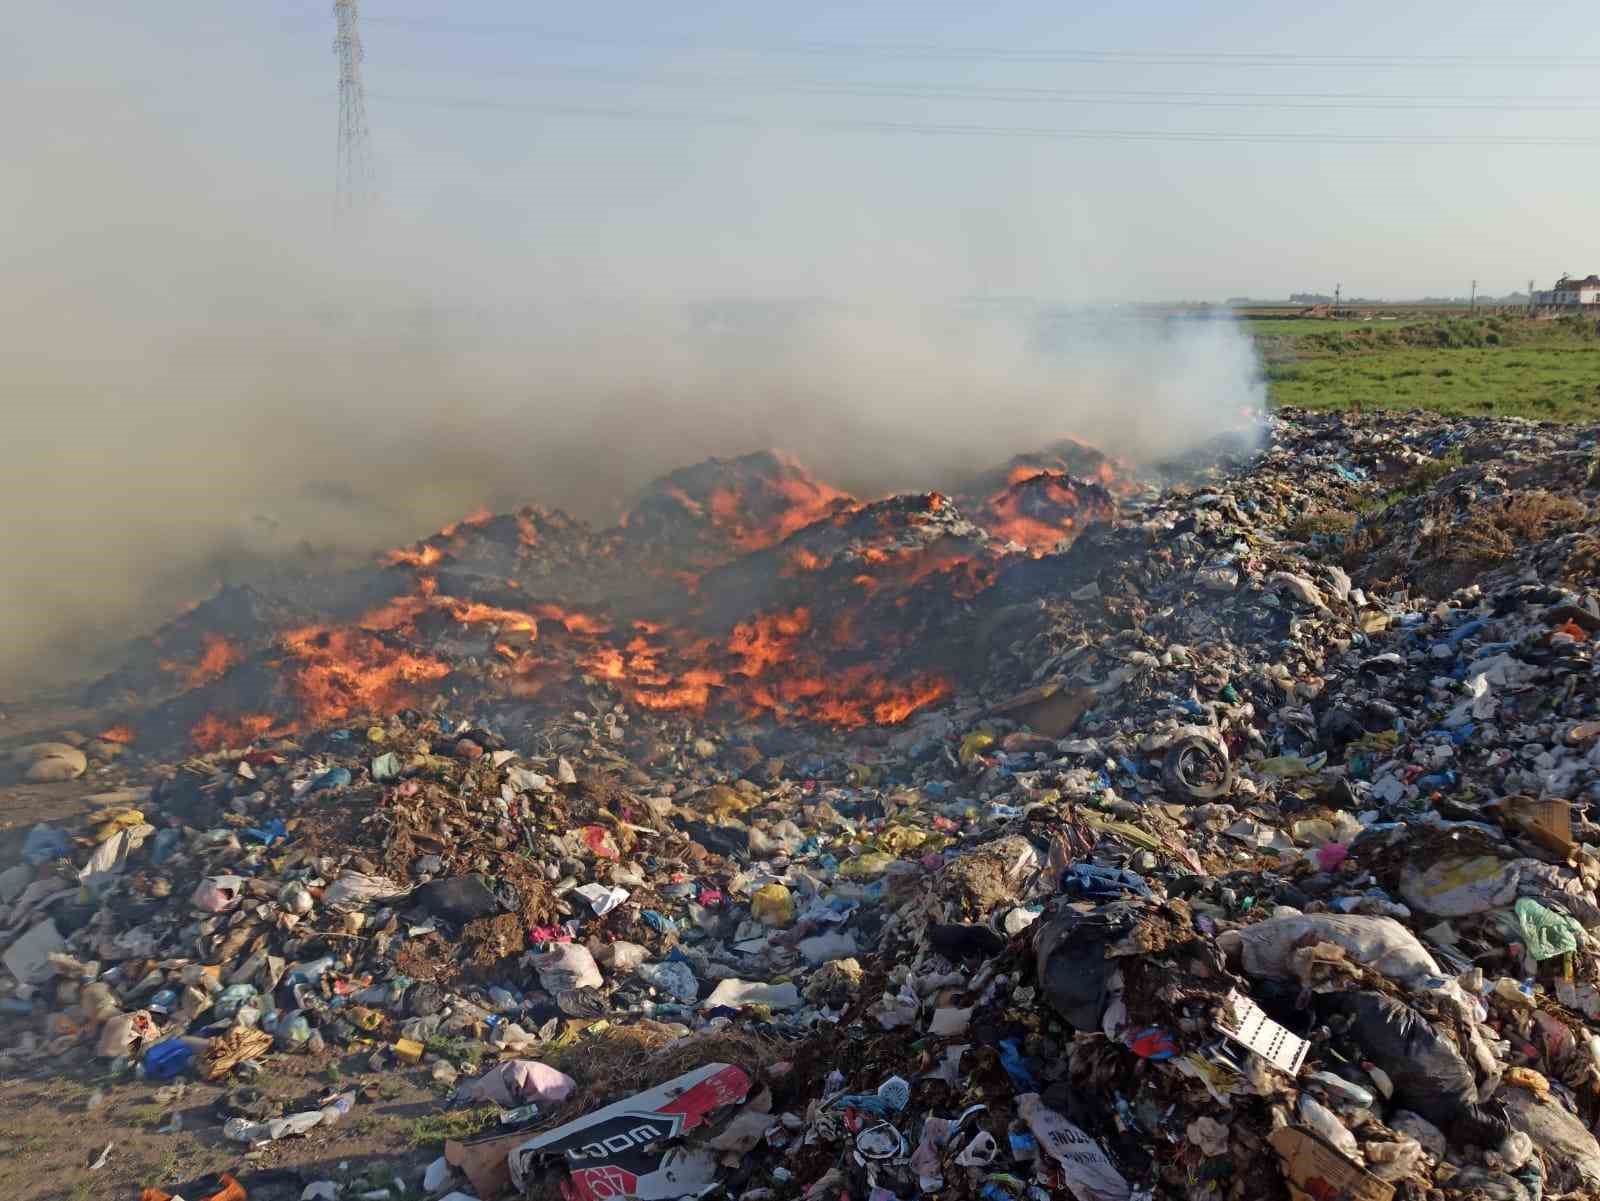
(567, 966)
(868, 866)
(519, 1082)
(1428, 1073)
(459, 899)
(45, 843)
(124, 1032)
(735, 994)
(1545, 932)
(1457, 887)
(772, 905)
(1327, 1124)
(352, 890)
(1569, 1150)
(1087, 1169)
(1399, 1160)
(216, 893)
(673, 977)
(1072, 969)
(52, 762)
(1381, 943)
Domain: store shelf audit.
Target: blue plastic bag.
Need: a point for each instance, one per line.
(336, 777)
(167, 1060)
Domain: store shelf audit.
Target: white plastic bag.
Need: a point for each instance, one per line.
(567, 966)
(1088, 1170)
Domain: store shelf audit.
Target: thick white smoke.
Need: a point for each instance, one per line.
(204, 376)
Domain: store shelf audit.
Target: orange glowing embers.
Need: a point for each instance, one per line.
(473, 613)
(215, 733)
(757, 501)
(850, 698)
(342, 671)
(801, 559)
(1039, 508)
(832, 620)
(767, 640)
(121, 735)
(424, 556)
(217, 657)
(479, 516)
(580, 624)
(781, 672)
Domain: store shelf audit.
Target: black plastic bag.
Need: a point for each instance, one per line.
(1430, 1077)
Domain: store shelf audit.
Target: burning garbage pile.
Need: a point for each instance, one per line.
(742, 586)
(1240, 864)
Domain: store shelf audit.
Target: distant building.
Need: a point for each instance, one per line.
(1570, 295)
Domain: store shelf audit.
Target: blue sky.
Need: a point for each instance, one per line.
(724, 148)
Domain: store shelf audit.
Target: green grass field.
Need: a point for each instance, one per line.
(1296, 327)
(1502, 366)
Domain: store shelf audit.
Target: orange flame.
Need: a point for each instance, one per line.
(605, 663)
(399, 614)
(479, 516)
(688, 502)
(217, 657)
(1039, 508)
(580, 624)
(798, 500)
(427, 556)
(692, 691)
(474, 613)
(214, 733)
(344, 672)
(766, 641)
(118, 734)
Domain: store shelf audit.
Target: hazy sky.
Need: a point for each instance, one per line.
(726, 143)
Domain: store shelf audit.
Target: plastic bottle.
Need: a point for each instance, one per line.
(337, 1108)
(243, 1130)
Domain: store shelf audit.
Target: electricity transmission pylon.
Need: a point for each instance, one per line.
(355, 183)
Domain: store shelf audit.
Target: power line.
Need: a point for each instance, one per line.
(1542, 62)
(1002, 131)
(1034, 95)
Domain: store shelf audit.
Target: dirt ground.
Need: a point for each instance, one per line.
(22, 805)
(49, 1135)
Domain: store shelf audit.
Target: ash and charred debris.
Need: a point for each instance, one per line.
(1240, 864)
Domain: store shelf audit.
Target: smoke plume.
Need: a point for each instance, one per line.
(206, 378)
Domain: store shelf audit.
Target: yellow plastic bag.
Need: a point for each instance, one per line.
(975, 744)
(772, 905)
(110, 823)
(900, 839)
(867, 866)
(725, 802)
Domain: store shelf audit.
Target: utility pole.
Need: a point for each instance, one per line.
(1336, 291)
(1472, 305)
(1530, 298)
(355, 183)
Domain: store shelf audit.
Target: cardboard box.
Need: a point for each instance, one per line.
(1548, 823)
(1318, 1171)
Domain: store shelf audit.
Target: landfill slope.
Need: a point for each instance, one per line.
(1249, 852)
